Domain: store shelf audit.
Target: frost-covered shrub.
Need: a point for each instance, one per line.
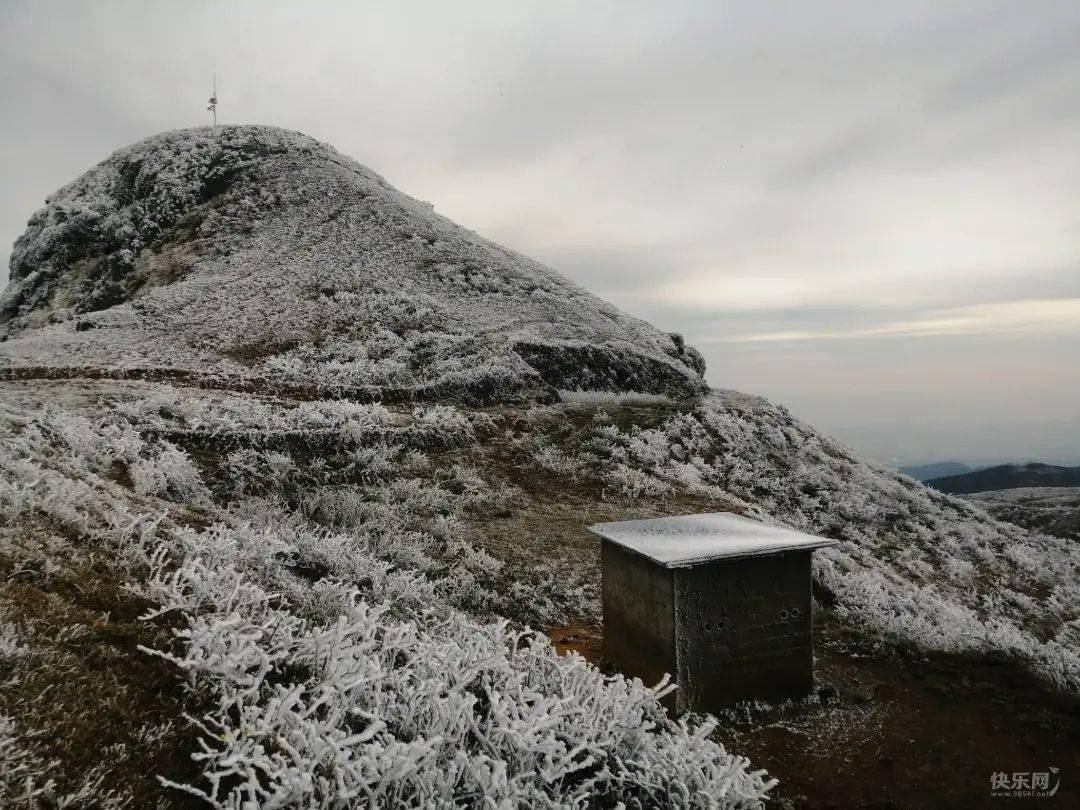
(229, 421)
(167, 471)
(336, 661)
(416, 523)
(95, 446)
(331, 696)
(636, 484)
(551, 458)
(228, 416)
(257, 472)
(58, 468)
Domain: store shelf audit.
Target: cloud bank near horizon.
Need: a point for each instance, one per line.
(1053, 317)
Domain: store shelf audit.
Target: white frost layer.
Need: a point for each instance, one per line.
(919, 566)
(684, 540)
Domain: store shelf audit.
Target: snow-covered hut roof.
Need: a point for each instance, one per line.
(685, 540)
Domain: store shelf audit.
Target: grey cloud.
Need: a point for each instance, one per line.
(861, 144)
(1008, 71)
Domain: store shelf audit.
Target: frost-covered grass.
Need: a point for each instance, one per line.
(380, 695)
(25, 779)
(26, 776)
(370, 472)
(80, 715)
(587, 400)
(339, 637)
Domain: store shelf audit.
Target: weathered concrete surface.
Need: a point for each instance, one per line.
(639, 627)
(744, 631)
(726, 630)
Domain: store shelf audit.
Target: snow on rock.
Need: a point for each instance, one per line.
(253, 253)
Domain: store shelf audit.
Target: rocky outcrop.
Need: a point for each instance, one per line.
(585, 367)
(90, 247)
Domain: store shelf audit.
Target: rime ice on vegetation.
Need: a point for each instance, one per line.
(341, 638)
(913, 564)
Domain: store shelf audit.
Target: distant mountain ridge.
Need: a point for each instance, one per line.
(1007, 476)
(939, 469)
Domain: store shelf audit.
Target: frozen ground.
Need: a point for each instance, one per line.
(302, 566)
(279, 550)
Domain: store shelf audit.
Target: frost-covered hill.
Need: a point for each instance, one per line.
(282, 452)
(1051, 510)
(259, 256)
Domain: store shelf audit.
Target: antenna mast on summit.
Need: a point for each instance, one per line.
(213, 98)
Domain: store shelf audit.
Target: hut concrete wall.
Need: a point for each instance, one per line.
(744, 631)
(638, 601)
(728, 630)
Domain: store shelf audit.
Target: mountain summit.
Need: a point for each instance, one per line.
(254, 253)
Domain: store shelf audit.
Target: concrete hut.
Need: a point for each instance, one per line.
(719, 601)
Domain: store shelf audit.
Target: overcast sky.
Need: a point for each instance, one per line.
(869, 212)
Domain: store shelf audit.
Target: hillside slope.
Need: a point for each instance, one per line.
(206, 513)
